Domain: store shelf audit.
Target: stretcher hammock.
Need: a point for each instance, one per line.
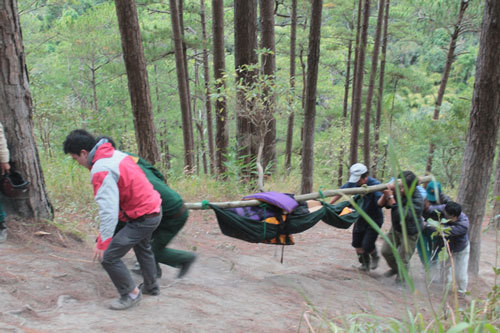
(273, 222)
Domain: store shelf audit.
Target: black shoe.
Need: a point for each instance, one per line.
(375, 258)
(364, 260)
(363, 268)
(137, 270)
(390, 273)
(184, 267)
(155, 291)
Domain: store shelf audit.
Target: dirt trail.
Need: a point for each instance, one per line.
(48, 283)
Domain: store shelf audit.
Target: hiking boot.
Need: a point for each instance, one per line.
(390, 273)
(375, 258)
(125, 302)
(3, 235)
(155, 291)
(364, 259)
(184, 267)
(137, 270)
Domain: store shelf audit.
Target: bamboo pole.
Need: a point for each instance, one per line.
(304, 197)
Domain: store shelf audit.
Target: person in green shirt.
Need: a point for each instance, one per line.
(173, 220)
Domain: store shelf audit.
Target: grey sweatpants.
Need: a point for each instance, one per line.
(135, 234)
(461, 261)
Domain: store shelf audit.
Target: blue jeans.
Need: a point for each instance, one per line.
(135, 234)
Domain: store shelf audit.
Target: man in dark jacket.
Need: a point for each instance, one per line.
(406, 226)
(457, 238)
(363, 235)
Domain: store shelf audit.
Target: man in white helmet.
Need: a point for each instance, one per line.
(363, 235)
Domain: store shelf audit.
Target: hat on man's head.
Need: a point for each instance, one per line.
(433, 190)
(356, 171)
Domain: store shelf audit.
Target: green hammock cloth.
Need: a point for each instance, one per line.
(240, 227)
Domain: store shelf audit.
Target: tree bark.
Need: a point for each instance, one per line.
(358, 86)
(495, 212)
(268, 61)
(245, 44)
(371, 86)
(180, 10)
(446, 74)
(135, 64)
(483, 130)
(198, 120)
(356, 53)
(221, 141)
(293, 44)
(344, 112)
(208, 104)
(16, 115)
(310, 100)
(380, 96)
(183, 90)
(93, 83)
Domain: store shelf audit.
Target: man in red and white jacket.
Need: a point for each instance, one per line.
(123, 193)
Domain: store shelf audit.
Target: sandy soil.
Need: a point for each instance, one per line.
(48, 283)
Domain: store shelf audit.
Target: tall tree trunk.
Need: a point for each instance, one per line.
(199, 127)
(183, 90)
(344, 112)
(198, 119)
(483, 130)
(245, 44)
(165, 153)
(180, 10)
(93, 83)
(310, 106)
(371, 86)
(221, 141)
(356, 53)
(304, 79)
(157, 90)
(268, 61)
(358, 86)
(495, 212)
(16, 115)
(446, 74)
(380, 97)
(206, 74)
(137, 74)
(293, 43)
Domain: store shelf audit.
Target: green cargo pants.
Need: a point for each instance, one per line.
(163, 235)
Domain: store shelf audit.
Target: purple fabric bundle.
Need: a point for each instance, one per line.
(279, 203)
(282, 200)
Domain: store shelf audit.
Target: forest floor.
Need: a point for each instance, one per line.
(48, 283)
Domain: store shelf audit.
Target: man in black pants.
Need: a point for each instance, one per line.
(363, 235)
